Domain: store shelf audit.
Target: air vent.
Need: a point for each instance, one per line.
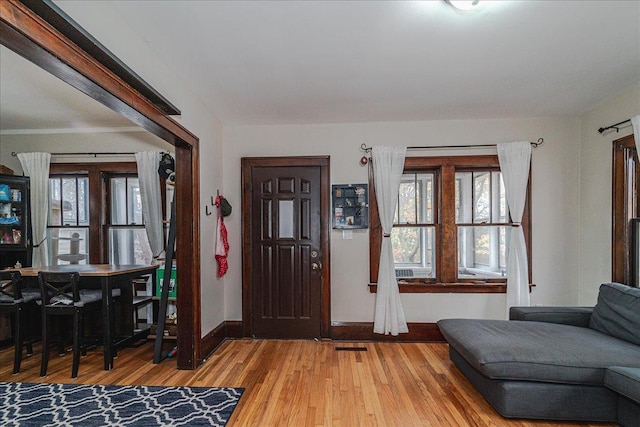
(351, 349)
(404, 272)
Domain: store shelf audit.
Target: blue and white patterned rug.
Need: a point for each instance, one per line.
(31, 404)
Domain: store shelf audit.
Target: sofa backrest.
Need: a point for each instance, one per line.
(617, 312)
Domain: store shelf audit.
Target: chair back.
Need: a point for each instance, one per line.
(10, 287)
(59, 288)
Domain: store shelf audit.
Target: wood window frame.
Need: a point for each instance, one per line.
(98, 173)
(625, 205)
(446, 230)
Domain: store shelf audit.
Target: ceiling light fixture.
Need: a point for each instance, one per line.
(464, 5)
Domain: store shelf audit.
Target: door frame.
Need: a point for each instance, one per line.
(248, 163)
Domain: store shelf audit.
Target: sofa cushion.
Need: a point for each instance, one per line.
(617, 312)
(625, 381)
(535, 351)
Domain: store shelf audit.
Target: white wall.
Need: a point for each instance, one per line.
(102, 21)
(127, 142)
(555, 200)
(595, 188)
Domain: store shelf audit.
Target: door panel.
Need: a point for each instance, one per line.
(286, 241)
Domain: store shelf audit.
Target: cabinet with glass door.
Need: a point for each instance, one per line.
(15, 227)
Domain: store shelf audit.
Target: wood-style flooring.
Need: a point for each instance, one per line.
(305, 383)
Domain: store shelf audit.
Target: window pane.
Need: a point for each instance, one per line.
(135, 201)
(464, 181)
(482, 251)
(415, 199)
(70, 202)
(285, 216)
(129, 246)
(83, 201)
(414, 251)
(126, 203)
(119, 201)
(55, 202)
(481, 197)
(501, 213)
(68, 245)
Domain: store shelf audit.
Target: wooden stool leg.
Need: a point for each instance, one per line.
(45, 346)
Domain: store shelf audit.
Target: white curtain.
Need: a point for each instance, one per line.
(150, 192)
(388, 164)
(36, 167)
(515, 159)
(635, 123)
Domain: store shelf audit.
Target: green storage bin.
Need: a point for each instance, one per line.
(173, 283)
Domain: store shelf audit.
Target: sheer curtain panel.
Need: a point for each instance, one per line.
(36, 167)
(388, 164)
(515, 160)
(151, 195)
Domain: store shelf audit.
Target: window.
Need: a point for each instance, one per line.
(68, 222)
(101, 203)
(452, 226)
(482, 220)
(413, 234)
(127, 237)
(626, 205)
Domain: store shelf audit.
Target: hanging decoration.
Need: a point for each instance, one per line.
(222, 243)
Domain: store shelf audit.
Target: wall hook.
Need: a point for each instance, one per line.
(206, 210)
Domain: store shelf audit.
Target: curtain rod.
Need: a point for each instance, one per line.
(537, 144)
(601, 130)
(14, 154)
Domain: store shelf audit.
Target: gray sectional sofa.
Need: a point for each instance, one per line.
(558, 363)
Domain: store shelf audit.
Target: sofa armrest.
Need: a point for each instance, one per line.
(575, 316)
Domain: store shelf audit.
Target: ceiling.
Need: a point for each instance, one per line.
(32, 100)
(300, 62)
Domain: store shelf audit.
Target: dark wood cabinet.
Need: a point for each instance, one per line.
(15, 221)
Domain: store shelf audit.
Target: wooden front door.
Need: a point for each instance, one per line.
(285, 247)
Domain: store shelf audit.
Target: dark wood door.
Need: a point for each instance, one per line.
(285, 258)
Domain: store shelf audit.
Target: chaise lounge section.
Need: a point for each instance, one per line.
(559, 363)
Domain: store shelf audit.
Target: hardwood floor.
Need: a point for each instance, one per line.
(305, 383)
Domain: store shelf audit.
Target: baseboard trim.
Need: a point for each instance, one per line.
(363, 331)
(340, 331)
(211, 341)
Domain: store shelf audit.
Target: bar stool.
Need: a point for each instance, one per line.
(62, 296)
(15, 300)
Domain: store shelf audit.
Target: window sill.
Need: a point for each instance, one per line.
(447, 288)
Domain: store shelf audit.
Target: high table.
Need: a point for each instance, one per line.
(107, 277)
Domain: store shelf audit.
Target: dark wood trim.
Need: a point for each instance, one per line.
(447, 288)
(229, 329)
(31, 37)
(623, 209)
(247, 163)
(444, 169)
(363, 331)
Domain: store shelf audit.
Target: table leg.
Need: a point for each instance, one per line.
(107, 321)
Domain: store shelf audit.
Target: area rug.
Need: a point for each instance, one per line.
(31, 404)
